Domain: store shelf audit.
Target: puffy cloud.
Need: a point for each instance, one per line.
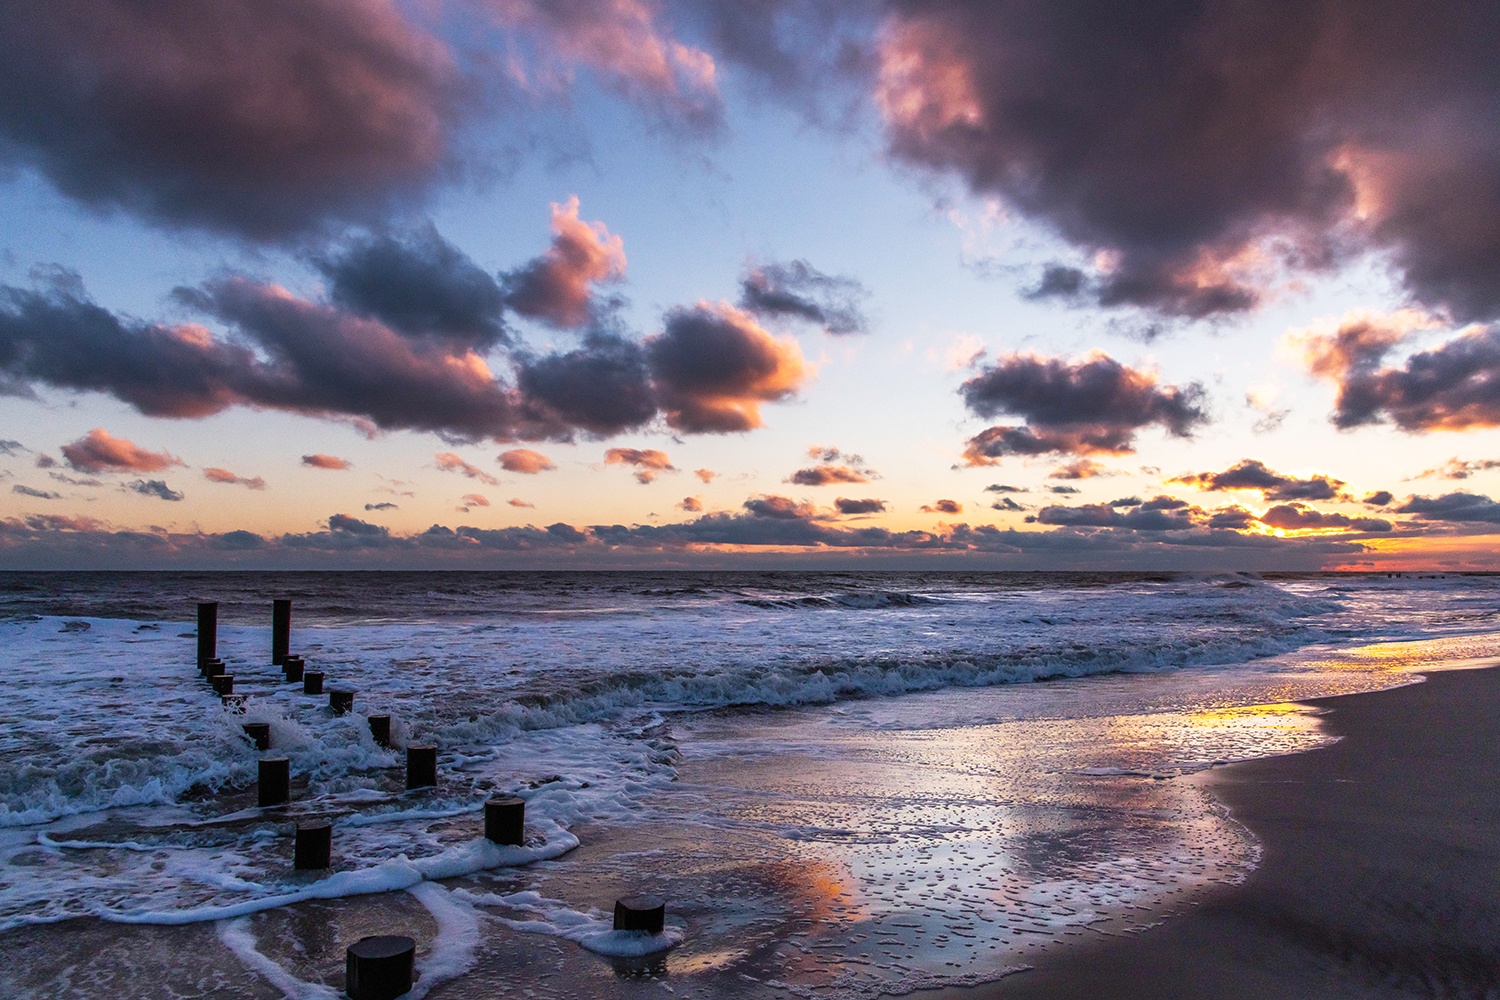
(1006, 504)
(713, 366)
(1195, 150)
(648, 462)
(418, 284)
(100, 451)
(1100, 515)
(447, 461)
(705, 475)
(824, 475)
(11, 447)
(261, 119)
(557, 287)
(869, 505)
(154, 488)
(27, 491)
(471, 500)
(525, 461)
(1459, 507)
(332, 462)
(693, 505)
(943, 507)
(1454, 386)
(1063, 490)
(1300, 517)
(225, 476)
(800, 290)
(1250, 474)
(518, 502)
(1377, 499)
(1090, 406)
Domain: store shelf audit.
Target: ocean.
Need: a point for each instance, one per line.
(843, 784)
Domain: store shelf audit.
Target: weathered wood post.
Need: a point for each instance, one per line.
(640, 913)
(258, 733)
(275, 785)
(379, 968)
(281, 631)
(293, 667)
(223, 683)
(341, 701)
(421, 766)
(505, 819)
(208, 630)
(313, 849)
(380, 728)
(312, 682)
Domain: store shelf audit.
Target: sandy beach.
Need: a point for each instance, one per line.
(1380, 875)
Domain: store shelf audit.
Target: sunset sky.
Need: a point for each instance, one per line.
(1032, 284)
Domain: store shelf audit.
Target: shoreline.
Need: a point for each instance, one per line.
(1379, 877)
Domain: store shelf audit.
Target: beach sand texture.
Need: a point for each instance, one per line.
(1380, 875)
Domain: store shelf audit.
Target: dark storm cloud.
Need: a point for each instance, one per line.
(779, 508)
(943, 507)
(713, 366)
(354, 526)
(869, 505)
(1002, 488)
(1250, 474)
(1198, 145)
(1104, 516)
(155, 488)
(1457, 507)
(383, 505)
(800, 290)
(27, 491)
(1006, 504)
(261, 119)
(603, 387)
(11, 447)
(1300, 517)
(419, 284)
(1453, 386)
(1094, 405)
(1377, 499)
(1058, 282)
(1063, 490)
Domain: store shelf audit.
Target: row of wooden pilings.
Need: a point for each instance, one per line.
(379, 967)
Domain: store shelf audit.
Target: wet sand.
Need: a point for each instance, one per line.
(1380, 875)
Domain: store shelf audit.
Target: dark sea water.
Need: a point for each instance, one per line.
(1028, 736)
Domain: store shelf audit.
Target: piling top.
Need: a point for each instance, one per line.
(505, 800)
(321, 824)
(384, 946)
(421, 747)
(642, 903)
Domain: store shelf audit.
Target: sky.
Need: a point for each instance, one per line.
(492, 284)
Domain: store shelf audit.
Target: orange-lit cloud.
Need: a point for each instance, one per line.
(648, 462)
(225, 476)
(326, 462)
(558, 286)
(943, 507)
(447, 461)
(100, 451)
(713, 366)
(525, 461)
(693, 505)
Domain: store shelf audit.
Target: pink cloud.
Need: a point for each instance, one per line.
(706, 475)
(100, 451)
(525, 461)
(225, 476)
(693, 505)
(648, 462)
(326, 462)
(447, 461)
(518, 502)
(557, 287)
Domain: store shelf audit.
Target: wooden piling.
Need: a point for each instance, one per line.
(421, 766)
(275, 785)
(222, 683)
(505, 819)
(380, 729)
(258, 733)
(313, 849)
(379, 968)
(341, 701)
(312, 682)
(293, 667)
(208, 630)
(640, 913)
(281, 631)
